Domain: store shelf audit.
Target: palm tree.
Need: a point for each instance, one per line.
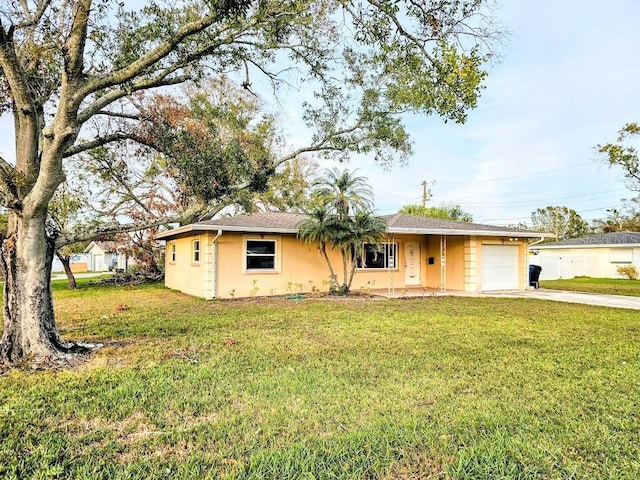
(320, 228)
(342, 219)
(344, 191)
(365, 228)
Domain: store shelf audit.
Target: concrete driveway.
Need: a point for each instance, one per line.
(615, 301)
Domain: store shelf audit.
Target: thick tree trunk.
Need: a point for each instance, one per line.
(30, 335)
(66, 264)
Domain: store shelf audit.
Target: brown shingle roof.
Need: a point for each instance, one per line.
(406, 223)
(281, 222)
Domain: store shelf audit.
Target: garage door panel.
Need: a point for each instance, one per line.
(500, 267)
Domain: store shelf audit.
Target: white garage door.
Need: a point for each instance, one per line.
(500, 267)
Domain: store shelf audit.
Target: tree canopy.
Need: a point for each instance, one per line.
(444, 212)
(77, 76)
(623, 154)
(562, 221)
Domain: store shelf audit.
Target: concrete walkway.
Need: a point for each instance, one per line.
(615, 301)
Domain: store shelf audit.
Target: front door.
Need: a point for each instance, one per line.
(412, 263)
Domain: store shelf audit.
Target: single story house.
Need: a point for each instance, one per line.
(78, 263)
(260, 254)
(597, 256)
(105, 256)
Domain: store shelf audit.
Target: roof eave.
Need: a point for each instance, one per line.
(486, 233)
(195, 227)
(592, 245)
(392, 230)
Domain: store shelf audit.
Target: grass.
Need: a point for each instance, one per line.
(459, 388)
(611, 286)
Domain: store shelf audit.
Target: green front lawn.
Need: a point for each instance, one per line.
(349, 388)
(611, 286)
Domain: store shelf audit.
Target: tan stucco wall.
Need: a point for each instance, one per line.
(471, 279)
(183, 274)
(296, 263)
(300, 267)
(454, 278)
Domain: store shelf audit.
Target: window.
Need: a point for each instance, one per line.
(261, 255)
(173, 252)
(195, 249)
(378, 255)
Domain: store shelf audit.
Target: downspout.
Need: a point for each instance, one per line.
(215, 263)
(536, 242)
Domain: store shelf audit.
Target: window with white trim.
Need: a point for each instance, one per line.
(260, 255)
(378, 256)
(195, 251)
(173, 252)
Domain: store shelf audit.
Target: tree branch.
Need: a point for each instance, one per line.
(104, 231)
(135, 68)
(98, 142)
(126, 116)
(107, 99)
(32, 18)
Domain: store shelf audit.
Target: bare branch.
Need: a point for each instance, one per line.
(98, 142)
(107, 230)
(126, 116)
(114, 95)
(32, 18)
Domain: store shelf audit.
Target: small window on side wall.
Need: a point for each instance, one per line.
(173, 252)
(261, 255)
(195, 249)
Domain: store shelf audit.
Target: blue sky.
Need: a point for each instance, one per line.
(568, 80)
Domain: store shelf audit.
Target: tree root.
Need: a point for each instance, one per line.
(69, 356)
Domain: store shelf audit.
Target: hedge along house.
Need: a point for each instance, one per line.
(597, 256)
(260, 254)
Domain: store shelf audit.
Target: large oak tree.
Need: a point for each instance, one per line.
(72, 73)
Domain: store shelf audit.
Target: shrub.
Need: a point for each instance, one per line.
(629, 271)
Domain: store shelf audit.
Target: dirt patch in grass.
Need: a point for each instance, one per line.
(420, 466)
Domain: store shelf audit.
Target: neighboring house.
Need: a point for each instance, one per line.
(596, 256)
(260, 254)
(79, 263)
(104, 257)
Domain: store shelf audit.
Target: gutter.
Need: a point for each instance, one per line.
(536, 242)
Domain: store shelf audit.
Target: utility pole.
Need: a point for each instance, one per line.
(426, 192)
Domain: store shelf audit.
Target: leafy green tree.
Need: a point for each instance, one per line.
(623, 219)
(342, 219)
(563, 222)
(72, 73)
(288, 190)
(444, 212)
(624, 155)
(66, 211)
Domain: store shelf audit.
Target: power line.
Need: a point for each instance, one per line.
(517, 176)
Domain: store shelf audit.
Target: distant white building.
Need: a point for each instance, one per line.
(79, 258)
(597, 256)
(106, 257)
